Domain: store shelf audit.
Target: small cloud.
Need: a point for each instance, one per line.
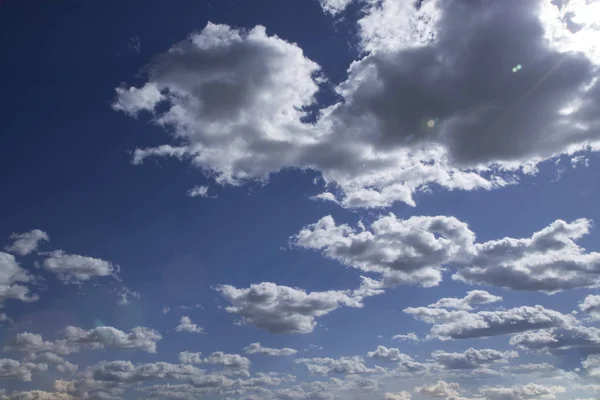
(199, 191)
(135, 44)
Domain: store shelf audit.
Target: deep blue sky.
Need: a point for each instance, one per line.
(66, 169)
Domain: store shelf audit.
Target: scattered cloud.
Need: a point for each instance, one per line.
(186, 325)
(257, 348)
(411, 336)
(75, 269)
(11, 278)
(26, 243)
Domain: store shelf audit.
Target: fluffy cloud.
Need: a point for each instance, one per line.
(529, 391)
(282, 309)
(472, 358)
(232, 362)
(61, 364)
(474, 297)
(416, 250)
(36, 395)
(558, 340)
(388, 354)
(256, 348)
(397, 396)
(73, 268)
(26, 243)
(343, 365)
(186, 357)
(186, 325)
(591, 306)
(411, 336)
(140, 338)
(403, 251)
(464, 325)
(437, 99)
(549, 260)
(11, 277)
(439, 389)
(334, 7)
(17, 370)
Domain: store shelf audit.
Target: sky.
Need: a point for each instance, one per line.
(300, 199)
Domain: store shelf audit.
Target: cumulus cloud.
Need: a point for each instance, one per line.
(462, 324)
(334, 7)
(474, 297)
(416, 250)
(199, 191)
(411, 336)
(282, 309)
(444, 95)
(472, 358)
(257, 348)
(17, 370)
(11, 278)
(388, 354)
(522, 392)
(74, 269)
(26, 243)
(48, 357)
(591, 306)
(403, 251)
(439, 389)
(186, 357)
(233, 363)
(343, 365)
(397, 396)
(186, 325)
(74, 339)
(558, 340)
(549, 260)
(36, 395)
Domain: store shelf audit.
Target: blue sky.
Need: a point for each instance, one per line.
(312, 176)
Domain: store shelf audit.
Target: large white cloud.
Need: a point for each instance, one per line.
(282, 309)
(439, 389)
(403, 251)
(434, 100)
(26, 243)
(591, 306)
(416, 250)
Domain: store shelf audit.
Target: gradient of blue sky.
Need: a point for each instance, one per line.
(66, 169)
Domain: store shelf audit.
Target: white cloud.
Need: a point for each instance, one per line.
(411, 336)
(343, 365)
(472, 358)
(282, 309)
(464, 325)
(73, 268)
(126, 295)
(397, 396)
(26, 243)
(474, 297)
(11, 277)
(17, 370)
(405, 121)
(334, 7)
(257, 348)
(416, 250)
(36, 395)
(199, 191)
(186, 357)
(140, 338)
(234, 363)
(403, 251)
(558, 340)
(388, 354)
(591, 306)
(522, 392)
(439, 389)
(186, 325)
